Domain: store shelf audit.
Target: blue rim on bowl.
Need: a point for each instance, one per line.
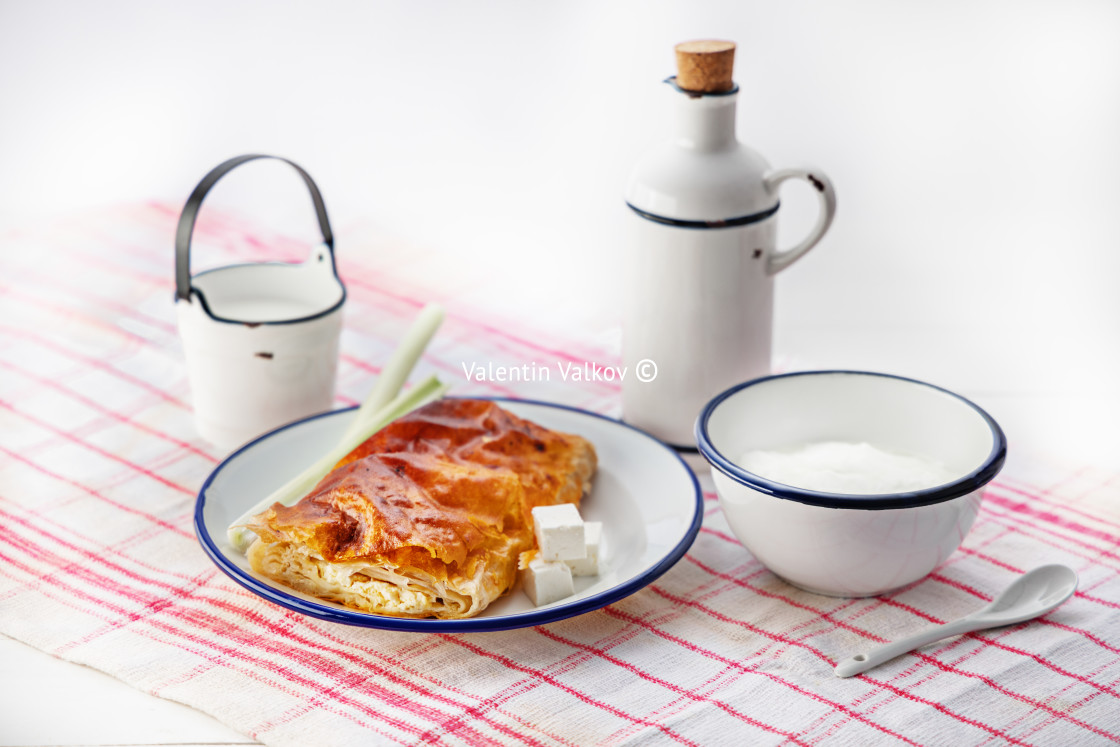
(974, 480)
(333, 613)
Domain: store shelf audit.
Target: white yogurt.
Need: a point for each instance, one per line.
(841, 467)
(264, 309)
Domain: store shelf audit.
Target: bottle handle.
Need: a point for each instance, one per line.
(780, 260)
(194, 202)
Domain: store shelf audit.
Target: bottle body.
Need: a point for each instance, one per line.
(702, 259)
(699, 306)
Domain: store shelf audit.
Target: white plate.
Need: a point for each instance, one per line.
(647, 498)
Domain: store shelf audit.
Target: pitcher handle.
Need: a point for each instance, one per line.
(780, 260)
(194, 202)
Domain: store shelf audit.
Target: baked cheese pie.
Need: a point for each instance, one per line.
(427, 518)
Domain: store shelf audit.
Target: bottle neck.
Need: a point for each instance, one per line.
(706, 123)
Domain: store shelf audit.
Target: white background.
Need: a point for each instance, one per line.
(975, 148)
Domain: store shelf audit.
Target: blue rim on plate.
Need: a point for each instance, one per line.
(974, 480)
(466, 625)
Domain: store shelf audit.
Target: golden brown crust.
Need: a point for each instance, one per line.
(442, 497)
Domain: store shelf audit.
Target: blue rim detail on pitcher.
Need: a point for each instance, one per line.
(741, 220)
(970, 482)
(466, 625)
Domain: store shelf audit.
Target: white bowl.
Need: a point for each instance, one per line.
(843, 544)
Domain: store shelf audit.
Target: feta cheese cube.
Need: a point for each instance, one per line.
(559, 531)
(588, 565)
(547, 581)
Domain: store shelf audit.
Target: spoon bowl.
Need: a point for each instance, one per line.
(1032, 594)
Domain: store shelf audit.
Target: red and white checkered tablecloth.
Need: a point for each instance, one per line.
(100, 466)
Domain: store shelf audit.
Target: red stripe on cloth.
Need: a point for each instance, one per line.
(1096, 600)
(100, 496)
(141, 316)
(960, 585)
(453, 723)
(974, 592)
(321, 664)
(931, 672)
(242, 641)
(1000, 733)
(492, 386)
(675, 708)
(987, 509)
(580, 657)
(346, 401)
(920, 654)
(1007, 566)
(81, 291)
(1083, 633)
(357, 362)
(772, 595)
(1038, 621)
(1040, 532)
(986, 557)
(444, 366)
(494, 702)
(98, 556)
(1103, 689)
(1067, 477)
(1073, 707)
(549, 679)
(613, 611)
(488, 329)
(498, 700)
(361, 714)
(449, 723)
(1042, 620)
(242, 240)
(95, 363)
(68, 312)
(356, 283)
(939, 664)
(1040, 496)
(202, 651)
(840, 720)
(996, 642)
(475, 326)
(68, 436)
(115, 548)
(696, 697)
(95, 405)
(722, 535)
(120, 267)
(936, 662)
(1050, 517)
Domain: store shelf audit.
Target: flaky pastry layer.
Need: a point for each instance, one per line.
(428, 517)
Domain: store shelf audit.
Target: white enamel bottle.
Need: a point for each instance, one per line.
(699, 306)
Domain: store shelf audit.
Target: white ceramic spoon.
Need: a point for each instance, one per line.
(1032, 594)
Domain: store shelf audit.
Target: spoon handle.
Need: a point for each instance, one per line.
(862, 662)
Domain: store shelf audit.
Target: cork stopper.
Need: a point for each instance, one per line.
(705, 66)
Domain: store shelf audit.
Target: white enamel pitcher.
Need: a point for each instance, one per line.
(700, 286)
(260, 340)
